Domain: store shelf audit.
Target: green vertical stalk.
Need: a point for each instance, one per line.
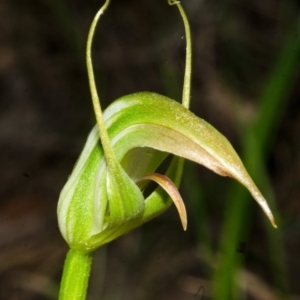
(186, 91)
(109, 153)
(76, 274)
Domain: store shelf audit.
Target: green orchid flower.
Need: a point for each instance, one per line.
(139, 126)
(103, 198)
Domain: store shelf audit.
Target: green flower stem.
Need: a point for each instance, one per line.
(109, 153)
(186, 92)
(75, 277)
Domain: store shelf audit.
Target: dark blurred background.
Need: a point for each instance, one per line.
(245, 82)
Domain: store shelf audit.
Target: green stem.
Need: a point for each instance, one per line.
(109, 153)
(76, 274)
(186, 92)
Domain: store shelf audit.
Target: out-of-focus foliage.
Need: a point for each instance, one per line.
(246, 58)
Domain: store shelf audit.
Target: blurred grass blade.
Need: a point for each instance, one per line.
(256, 144)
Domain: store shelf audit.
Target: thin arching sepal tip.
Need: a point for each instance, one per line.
(173, 192)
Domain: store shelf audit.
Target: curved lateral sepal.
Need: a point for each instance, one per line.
(172, 191)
